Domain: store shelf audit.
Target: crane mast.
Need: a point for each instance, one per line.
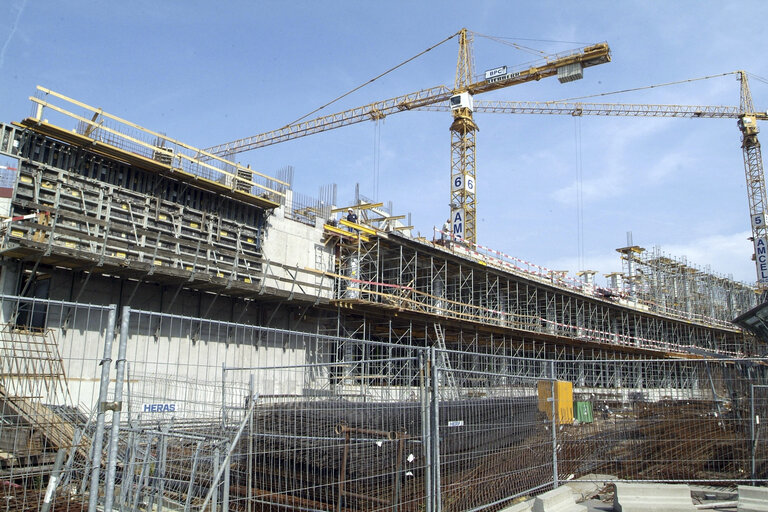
(463, 162)
(753, 168)
(746, 117)
(463, 203)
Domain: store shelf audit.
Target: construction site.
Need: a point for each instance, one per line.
(182, 332)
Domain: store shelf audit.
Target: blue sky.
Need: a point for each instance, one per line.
(210, 72)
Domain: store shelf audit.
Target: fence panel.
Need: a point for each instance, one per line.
(351, 438)
(495, 436)
(658, 420)
(758, 430)
(49, 380)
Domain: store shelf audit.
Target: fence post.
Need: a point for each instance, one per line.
(109, 495)
(128, 470)
(162, 458)
(53, 482)
(225, 498)
(435, 434)
(223, 396)
(426, 444)
(213, 492)
(754, 428)
(249, 474)
(219, 468)
(555, 482)
(192, 476)
(98, 438)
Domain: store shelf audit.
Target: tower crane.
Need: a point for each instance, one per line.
(744, 114)
(567, 66)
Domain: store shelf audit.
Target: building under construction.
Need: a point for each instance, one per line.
(180, 331)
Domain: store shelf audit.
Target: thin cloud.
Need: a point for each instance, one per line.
(615, 178)
(11, 33)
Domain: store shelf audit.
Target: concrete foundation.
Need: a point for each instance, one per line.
(557, 500)
(589, 485)
(523, 506)
(753, 499)
(652, 498)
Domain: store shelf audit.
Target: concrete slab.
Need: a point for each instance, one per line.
(752, 499)
(710, 493)
(652, 497)
(557, 500)
(598, 505)
(523, 506)
(590, 485)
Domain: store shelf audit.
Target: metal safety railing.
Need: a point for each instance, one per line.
(102, 127)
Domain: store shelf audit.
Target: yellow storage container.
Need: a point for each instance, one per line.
(563, 400)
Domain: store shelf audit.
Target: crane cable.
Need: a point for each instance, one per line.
(372, 80)
(579, 194)
(643, 88)
(507, 42)
(376, 157)
(758, 78)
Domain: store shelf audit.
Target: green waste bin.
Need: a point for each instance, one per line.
(582, 412)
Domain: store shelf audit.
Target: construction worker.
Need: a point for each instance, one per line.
(445, 234)
(351, 216)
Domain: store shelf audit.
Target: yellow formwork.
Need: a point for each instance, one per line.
(563, 400)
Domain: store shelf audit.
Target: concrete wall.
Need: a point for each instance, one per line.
(173, 358)
(177, 362)
(294, 250)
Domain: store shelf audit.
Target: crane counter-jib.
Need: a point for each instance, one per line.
(586, 57)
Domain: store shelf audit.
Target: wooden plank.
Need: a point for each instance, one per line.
(345, 234)
(358, 227)
(363, 206)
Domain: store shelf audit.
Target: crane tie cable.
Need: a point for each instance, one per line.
(372, 80)
(644, 87)
(507, 42)
(758, 78)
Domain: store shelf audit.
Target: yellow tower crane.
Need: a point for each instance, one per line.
(567, 66)
(745, 115)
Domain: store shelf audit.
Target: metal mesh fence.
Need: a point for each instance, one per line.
(211, 415)
(660, 420)
(48, 390)
(494, 442)
(758, 431)
(339, 440)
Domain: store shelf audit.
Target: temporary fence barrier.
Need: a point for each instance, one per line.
(199, 414)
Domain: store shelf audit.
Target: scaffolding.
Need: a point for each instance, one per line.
(79, 208)
(75, 208)
(673, 285)
(388, 273)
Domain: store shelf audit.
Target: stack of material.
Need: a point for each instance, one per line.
(661, 441)
(372, 454)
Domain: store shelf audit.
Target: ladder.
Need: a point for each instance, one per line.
(31, 375)
(449, 380)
